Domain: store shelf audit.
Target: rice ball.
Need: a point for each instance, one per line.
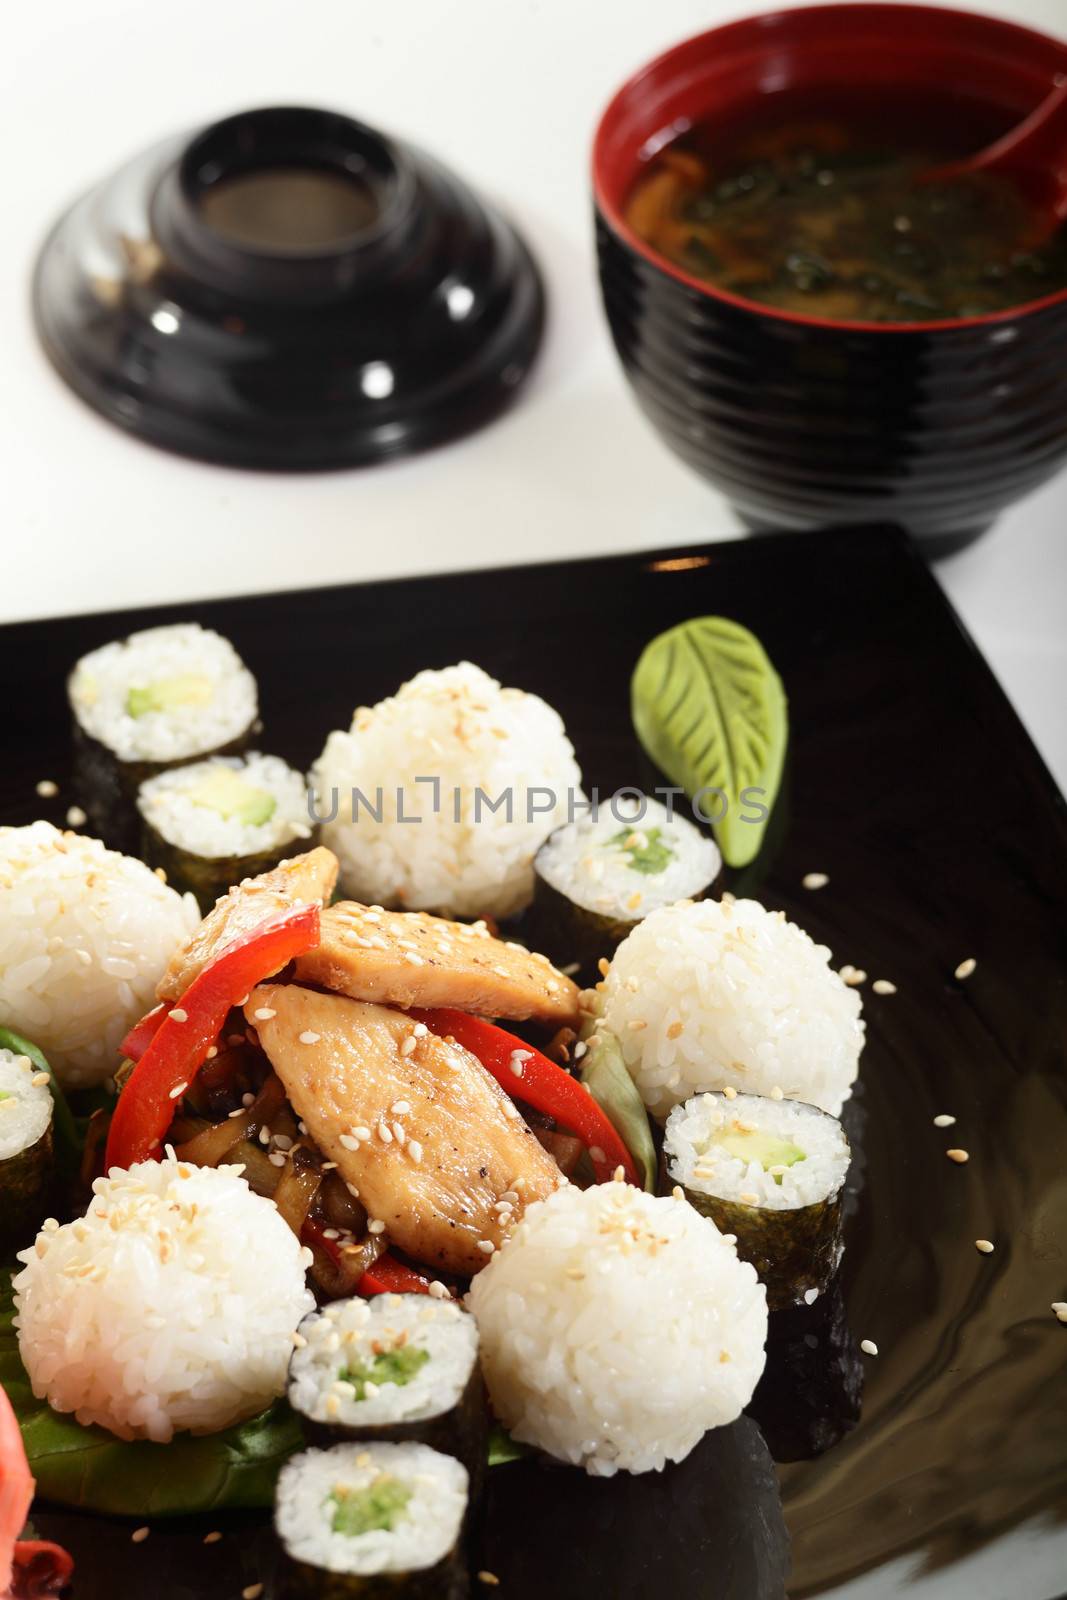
(170, 1305)
(85, 936)
(617, 1328)
(487, 772)
(724, 994)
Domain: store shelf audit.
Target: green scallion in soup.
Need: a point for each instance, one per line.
(821, 217)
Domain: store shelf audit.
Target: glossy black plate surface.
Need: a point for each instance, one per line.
(912, 784)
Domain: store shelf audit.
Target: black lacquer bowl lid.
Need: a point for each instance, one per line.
(288, 289)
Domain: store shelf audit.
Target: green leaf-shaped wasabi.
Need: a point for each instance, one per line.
(710, 711)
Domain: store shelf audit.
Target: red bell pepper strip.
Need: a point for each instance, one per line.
(180, 1044)
(142, 1033)
(390, 1276)
(26, 1566)
(541, 1084)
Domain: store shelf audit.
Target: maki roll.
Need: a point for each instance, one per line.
(371, 1521)
(214, 822)
(157, 699)
(771, 1173)
(395, 1367)
(26, 1110)
(596, 878)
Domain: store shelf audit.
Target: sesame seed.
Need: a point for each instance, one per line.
(375, 1226)
(76, 816)
(985, 1246)
(178, 1015)
(212, 1052)
(883, 986)
(944, 1121)
(139, 1535)
(212, 1538)
(384, 1133)
(47, 789)
(596, 1154)
(400, 1108)
(749, 1198)
(178, 1090)
(307, 1037)
(253, 1592)
(730, 1092)
(40, 1078)
(1059, 1310)
(619, 1175)
(853, 976)
(488, 1577)
(776, 1092)
(868, 1347)
(276, 1159)
(815, 880)
(412, 959)
(299, 1342)
(958, 1156)
(349, 1141)
(636, 1024)
(965, 968)
(486, 1246)
(408, 1046)
(264, 1014)
(362, 1134)
(415, 1150)
(674, 1030)
(438, 1290)
(810, 1296)
(603, 966)
(579, 1050)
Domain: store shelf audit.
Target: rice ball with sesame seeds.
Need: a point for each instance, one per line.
(727, 995)
(616, 1328)
(170, 1305)
(438, 798)
(85, 935)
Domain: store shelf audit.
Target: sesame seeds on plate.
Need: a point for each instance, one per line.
(47, 789)
(960, 1157)
(868, 1347)
(1059, 1310)
(965, 969)
(815, 880)
(883, 986)
(76, 817)
(984, 1246)
(943, 1120)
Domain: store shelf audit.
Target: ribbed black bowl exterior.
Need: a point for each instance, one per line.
(802, 425)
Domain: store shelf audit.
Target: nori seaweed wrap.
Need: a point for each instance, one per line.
(811, 1391)
(142, 705)
(594, 880)
(395, 1367)
(771, 1173)
(212, 823)
(373, 1522)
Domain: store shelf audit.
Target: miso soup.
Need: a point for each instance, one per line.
(815, 207)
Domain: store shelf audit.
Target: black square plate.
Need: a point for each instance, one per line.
(913, 785)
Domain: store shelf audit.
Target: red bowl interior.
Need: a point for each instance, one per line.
(716, 76)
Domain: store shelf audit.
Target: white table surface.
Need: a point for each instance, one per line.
(508, 91)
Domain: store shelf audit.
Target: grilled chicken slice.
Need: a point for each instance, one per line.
(303, 880)
(411, 958)
(416, 1124)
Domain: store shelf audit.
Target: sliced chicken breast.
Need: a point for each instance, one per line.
(437, 1151)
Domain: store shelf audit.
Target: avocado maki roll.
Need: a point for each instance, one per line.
(373, 1521)
(26, 1109)
(214, 822)
(771, 1172)
(395, 1367)
(596, 878)
(158, 699)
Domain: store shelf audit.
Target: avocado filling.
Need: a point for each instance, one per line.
(233, 798)
(769, 1149)
(377, 1508)
(646, 849)
(398, 1366)
(169, 694)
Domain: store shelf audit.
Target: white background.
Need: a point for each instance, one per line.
(508, 91)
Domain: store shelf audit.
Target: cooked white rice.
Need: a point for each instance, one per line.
(426, 1530)
(25, 1106)
(617, 1328)
(171, 1305)
(85, 934)
(705, 995)
(224, 709)
(168, 804)
(460, 727)
(605, 865)
(698, 1162)
(350, 1334)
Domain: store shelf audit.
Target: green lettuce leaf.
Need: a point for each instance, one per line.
(604, 1074)
(710, 711)
(503, 1448)
(89, 1468)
